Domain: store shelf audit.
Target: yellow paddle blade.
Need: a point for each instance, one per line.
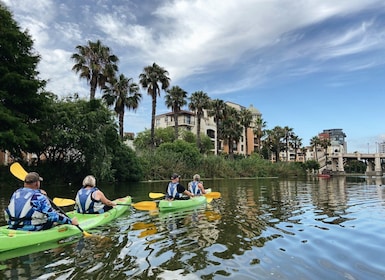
(63, 201)
(144, 205)
(156, 195)
(209, 199)
(213, 195)
(18, 171)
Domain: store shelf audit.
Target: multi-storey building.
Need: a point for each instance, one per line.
(188, 120)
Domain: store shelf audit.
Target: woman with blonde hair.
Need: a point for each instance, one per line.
(91, 200)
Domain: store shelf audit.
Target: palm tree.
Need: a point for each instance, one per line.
(288, 131)
(96, 64)
(246, 117)
(314, 142)
(175, 99)
(259, 131)
(123, 93)
(199, 101)
(231, 128)
(150, 78)
(274, 142)
(296, 144)
(217, 108)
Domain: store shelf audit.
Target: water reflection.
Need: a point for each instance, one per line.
(258, 229)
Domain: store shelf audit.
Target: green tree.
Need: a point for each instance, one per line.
(154, 78)
(246, 117)
(217, 108)
(231, 128)
(199, 101)
(21, 91)
(176, 99)
(288, 131)
(314, 143)
(82, 133)
(122, 93)
(259, 131)
(95, 63)
(162, 135)
(274, 141)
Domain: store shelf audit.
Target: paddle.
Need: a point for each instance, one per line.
(143, 205)
(19, 172)
(207, 195)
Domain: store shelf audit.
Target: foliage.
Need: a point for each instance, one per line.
(312, 165)
(22, 100)
(95, 63)
(162, 135)
(355, 166)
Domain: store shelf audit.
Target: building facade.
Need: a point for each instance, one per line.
(188, 120)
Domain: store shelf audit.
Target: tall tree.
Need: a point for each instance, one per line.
(176, 99)
(22, 99)
(199, 101)
(95, 63)
(231, 128)
(123, 93)
(288, 131)
(246, 117)
(217, 108)
(154, 78)
(259, 131)
(314, 143)
(274, 140)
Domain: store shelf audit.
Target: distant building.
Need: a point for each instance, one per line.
(188, 120)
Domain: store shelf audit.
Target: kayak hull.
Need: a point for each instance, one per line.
(13, 239)
(170, 205)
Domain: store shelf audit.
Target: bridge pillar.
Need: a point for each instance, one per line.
(341, 164)
(377, 165)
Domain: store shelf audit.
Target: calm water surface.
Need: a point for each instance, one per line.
(258, 229)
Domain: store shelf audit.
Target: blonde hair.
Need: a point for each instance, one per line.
(196, 177)
(89, 181)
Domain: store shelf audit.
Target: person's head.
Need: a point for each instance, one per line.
(196, 177)
(32, 179)
(175, 176)
(89, 181)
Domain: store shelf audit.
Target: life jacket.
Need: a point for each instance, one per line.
(172, 190)
(193, 188)
(86, 204)
(20, 213)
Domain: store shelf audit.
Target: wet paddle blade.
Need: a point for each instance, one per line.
(145, 205)
(213, 195)
(156, 195)
(61, 202)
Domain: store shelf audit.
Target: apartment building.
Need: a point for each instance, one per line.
(188, 120)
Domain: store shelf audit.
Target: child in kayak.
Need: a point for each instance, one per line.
(175, 190)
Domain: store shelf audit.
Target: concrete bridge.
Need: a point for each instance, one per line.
(373, 162)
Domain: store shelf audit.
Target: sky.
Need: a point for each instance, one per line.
(310, 65)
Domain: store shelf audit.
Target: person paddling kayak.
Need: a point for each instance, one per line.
(30, 209)
(91, 200)
(175, 190)
(196, 185)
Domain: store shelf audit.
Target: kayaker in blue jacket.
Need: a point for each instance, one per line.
(30, 209)
(175, 190)
(196, 186)
(91, 200)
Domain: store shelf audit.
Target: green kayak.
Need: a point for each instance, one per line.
(169, 205)
(13, 239)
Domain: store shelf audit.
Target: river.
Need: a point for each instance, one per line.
(258, 229)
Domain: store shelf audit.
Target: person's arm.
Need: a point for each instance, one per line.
(42, 204)
(182, 189)
(200, 186)
(99, 195)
